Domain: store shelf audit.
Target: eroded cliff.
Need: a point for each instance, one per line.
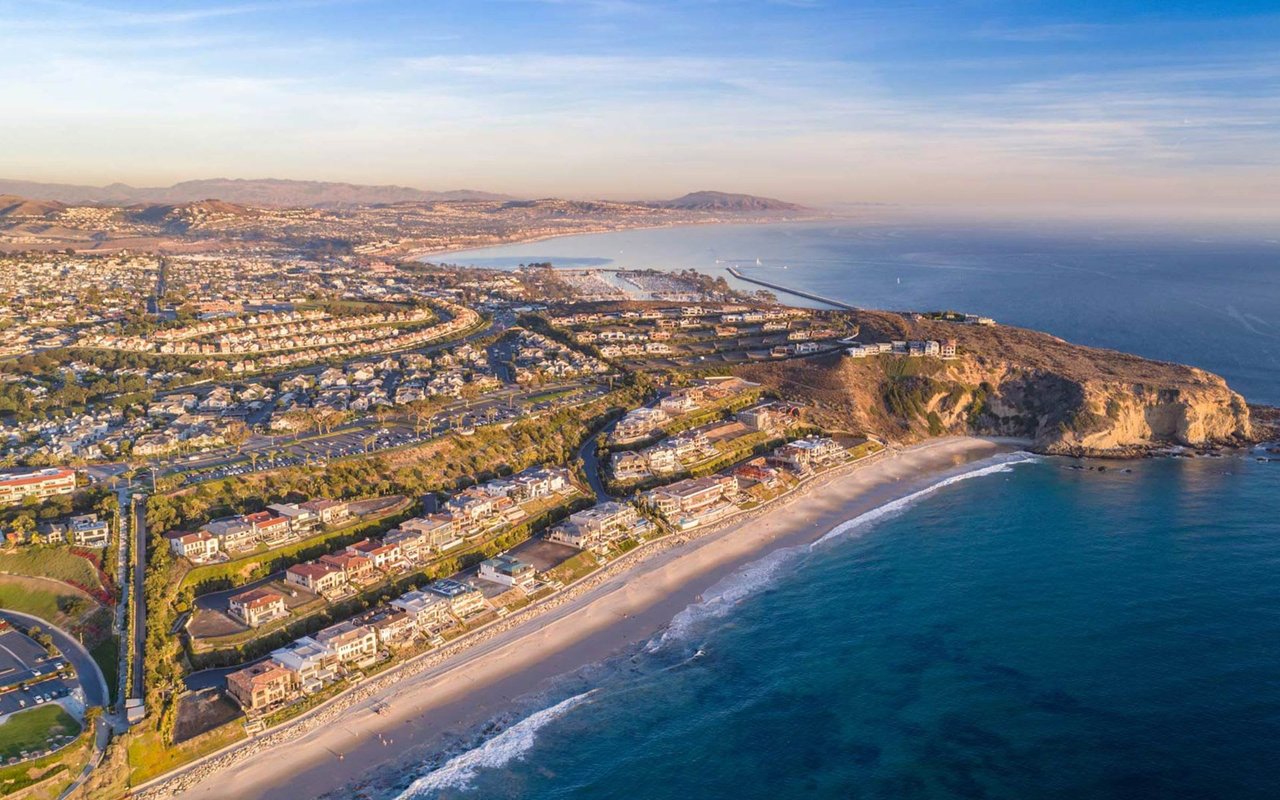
(1015, 382)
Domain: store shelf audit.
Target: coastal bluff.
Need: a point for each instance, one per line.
(1069, 399)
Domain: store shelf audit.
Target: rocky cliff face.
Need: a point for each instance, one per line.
(1009, 381)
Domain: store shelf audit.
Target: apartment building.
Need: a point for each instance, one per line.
(17, 485)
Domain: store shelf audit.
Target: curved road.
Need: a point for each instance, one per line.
(90, 675)
(91, 680)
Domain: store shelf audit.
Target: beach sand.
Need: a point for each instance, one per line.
(481, 683)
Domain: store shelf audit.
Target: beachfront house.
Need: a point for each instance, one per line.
(430, 610)
(262, 686)
(694, 501)
(353, 642)
(465, 601)
(394, 626)
(596, 527)
(508, 571)
(314, 664)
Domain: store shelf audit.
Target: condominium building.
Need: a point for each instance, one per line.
(18, 485)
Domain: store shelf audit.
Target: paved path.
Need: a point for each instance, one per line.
(137, 691)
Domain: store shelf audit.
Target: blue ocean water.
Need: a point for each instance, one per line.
(1034, 631)
(1038, 632)
(1205, 294)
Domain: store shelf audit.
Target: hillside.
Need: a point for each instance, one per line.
(723, 201)
(12, 206)
(184, 217)
(260, 192)
(1011, 381)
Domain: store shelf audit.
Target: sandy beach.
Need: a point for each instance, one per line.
(624, 605)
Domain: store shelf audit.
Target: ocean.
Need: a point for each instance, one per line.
(1026, 630)
(1196, 293)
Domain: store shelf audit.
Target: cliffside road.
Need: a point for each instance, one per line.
(591, 466)
(591, 461)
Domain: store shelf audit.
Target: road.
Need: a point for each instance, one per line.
(92, 681)
(137, 690)
(91, 678)
(122, 580)
(353, 438)
(591, 464)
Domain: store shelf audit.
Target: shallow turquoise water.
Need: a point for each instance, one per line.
(1039, 632)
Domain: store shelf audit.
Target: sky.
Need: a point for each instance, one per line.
(958, 103)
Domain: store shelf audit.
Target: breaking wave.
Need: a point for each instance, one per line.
(510, 745)
(1004, 463)
(721, 598)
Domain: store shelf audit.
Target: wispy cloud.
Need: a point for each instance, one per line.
(600, 96)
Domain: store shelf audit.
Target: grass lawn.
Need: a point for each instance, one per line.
(149, 756)
(50, 562)
(31, 730)
(52, 772)
(39, 598)
(575, 567)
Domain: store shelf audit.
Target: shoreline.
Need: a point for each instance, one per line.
(419, 255)
(449, 692)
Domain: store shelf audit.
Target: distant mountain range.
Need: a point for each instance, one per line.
(263, 192)
(723, 201)
(323, 194)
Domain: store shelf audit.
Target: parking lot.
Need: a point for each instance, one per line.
(29, 676)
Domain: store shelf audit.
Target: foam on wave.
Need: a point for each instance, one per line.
(510, 745)
(720, 599)
(1005, 463)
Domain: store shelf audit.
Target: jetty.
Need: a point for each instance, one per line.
(788, 290)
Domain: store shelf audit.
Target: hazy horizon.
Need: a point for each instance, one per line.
(993, 105)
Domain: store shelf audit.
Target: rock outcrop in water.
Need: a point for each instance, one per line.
(1011, 381)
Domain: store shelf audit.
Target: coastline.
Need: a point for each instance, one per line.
(622, 605)
(420, 255)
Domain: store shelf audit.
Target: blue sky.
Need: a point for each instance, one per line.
(955, 103)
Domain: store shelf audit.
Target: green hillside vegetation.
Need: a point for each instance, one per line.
(58, 563)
